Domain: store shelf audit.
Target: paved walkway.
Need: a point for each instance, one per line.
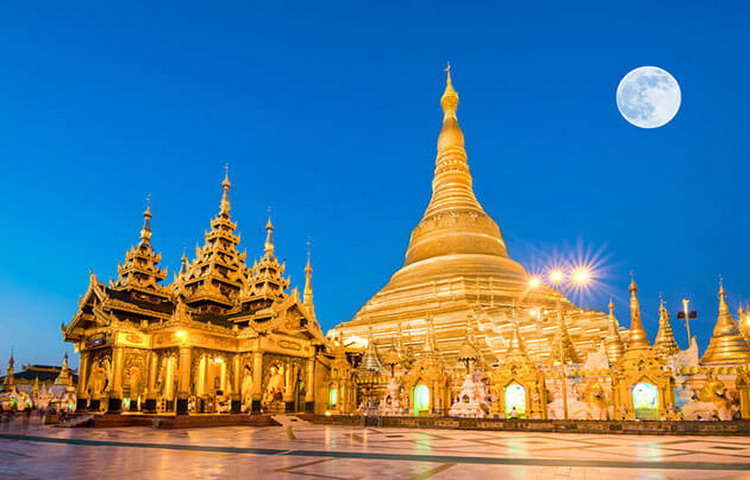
(29, 450)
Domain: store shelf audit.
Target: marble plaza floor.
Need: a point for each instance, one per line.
(29, 450)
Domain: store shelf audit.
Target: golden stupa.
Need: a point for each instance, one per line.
(457, 266)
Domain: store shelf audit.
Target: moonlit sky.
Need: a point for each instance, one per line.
(329, 113)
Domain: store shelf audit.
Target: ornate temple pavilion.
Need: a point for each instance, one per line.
(221, 337)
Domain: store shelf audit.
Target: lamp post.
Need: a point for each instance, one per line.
(563, 283)
(687, 315)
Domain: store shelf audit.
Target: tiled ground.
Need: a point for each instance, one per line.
(29, 450)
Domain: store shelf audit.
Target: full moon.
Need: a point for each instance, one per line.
(648, 97)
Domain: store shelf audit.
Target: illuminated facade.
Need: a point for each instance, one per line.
(467, 331)
(460, 330)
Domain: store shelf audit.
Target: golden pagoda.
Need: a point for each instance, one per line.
(457, 264)
(727, 345)
(665, 342)
(637, 337)
(613, 342)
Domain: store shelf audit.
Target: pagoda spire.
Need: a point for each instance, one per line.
(64, 377)
(469, 351)
(727, 344)
(266, 281)
(10, 379)
(225, 206)
(140, 271)
(453, 196)
(516, 347)
(429, 340)
(216, 275)
(664, 341)
(268, 245)
(637, 337)
(563, 344)
(146, 230)
(613, 341)
(370, 362)
(307, 295)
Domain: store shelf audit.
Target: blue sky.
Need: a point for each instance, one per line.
(328, 113)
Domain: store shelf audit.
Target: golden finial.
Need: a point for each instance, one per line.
(449, 100)
(146, 230)
(268, 246)
(723, 306)
(638, 337)
(225, 206)
(308, 243)
(307, 295)
(226, 184)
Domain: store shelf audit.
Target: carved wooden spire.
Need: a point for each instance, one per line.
(140, 271)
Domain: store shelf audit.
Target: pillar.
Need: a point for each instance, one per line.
(183, 379)
(257, 381)
(82, 394)
(310, 385)
(114, 405)
(236, 385)
(149, 406)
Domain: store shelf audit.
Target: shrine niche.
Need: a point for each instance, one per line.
(517, 379)
(134, 379)
(428, 372)
(246, 383)
(643, 388)
(99, 379)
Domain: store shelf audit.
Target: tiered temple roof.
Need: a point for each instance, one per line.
(216, 288)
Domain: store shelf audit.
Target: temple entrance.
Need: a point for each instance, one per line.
(646, 401)
(333, 397)
(515, 401)
(421, 400)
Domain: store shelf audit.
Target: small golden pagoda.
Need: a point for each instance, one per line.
(728, 345)
(613, 342)
(665, 342)
(457, 264)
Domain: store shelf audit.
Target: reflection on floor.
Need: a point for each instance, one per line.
(29, 450)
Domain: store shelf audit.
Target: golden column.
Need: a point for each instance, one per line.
(257, 381)
(310, 385)
(83, 372)
(149, 405)
(183, 379)
(236, 385)
(114, 404)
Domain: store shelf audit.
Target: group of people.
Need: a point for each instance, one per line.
(44, 403)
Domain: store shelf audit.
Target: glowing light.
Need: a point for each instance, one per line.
(180, 334)
(535, 312)
(219, 360)
(556, 276)
(327, 413)
(581, 276)
(534, 282)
